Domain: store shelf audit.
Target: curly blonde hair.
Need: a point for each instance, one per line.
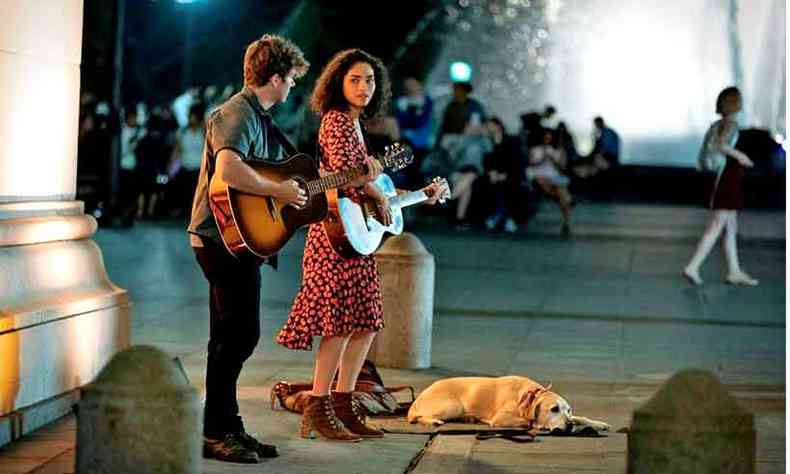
(328, 92)
(272, 55)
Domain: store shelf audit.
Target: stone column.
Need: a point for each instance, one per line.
(140, 415)
(61, 318)
(692, 424)
(407, 279)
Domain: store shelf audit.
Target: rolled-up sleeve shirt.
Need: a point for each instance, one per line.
(242, 125)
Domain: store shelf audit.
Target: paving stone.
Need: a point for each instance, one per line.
(491, 317)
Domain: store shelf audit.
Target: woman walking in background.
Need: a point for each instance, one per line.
(718, 155)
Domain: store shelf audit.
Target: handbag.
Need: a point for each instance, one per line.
(370, 392)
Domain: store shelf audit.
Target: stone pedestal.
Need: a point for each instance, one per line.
(692, 425)
(407, 278)
(140, 415)
(61, 318)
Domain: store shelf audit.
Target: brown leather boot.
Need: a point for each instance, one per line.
(349, 412)
(319, 418)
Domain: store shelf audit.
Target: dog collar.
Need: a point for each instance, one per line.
(529, 398)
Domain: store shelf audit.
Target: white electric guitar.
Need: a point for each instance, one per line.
(353, 228)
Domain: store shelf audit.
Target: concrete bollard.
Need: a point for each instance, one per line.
(692, 425)
(407, 277)
(140, 415)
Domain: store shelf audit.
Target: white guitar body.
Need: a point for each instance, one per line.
(352, 228)
(363, 231)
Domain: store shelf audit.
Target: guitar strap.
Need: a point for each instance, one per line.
(368, 147)
(267, 122)
(289, 147)
(318, 153)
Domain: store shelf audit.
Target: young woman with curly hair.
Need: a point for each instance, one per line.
(340, 299)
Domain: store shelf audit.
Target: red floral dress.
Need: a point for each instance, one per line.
(338, 296)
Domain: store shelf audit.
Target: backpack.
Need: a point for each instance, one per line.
(710, 159)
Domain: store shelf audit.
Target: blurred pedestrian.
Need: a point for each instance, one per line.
(414, 112)
(185, 162)
(462, 136)
(725, 167)
(545, 165)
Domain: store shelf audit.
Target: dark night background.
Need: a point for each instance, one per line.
(165, 40)
(170, 46)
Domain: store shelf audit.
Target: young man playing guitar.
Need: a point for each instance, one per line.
(239, 131)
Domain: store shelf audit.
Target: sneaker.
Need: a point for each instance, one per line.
(492, 221)
(741, 278)
(462, 225)
(692, 276)
(263, 450)
(510, 226)
(229, 449)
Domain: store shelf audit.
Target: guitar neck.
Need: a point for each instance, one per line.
(338, 179)
(408, 199)
(334, 180)
(342, 178)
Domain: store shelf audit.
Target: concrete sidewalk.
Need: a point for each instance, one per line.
(664, 222)
(606, 319)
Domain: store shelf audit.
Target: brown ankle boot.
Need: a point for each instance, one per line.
(349, 412)
(319, 418)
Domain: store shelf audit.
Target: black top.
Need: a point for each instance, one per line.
(506, 157)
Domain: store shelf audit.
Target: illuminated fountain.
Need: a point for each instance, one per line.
(651, 68)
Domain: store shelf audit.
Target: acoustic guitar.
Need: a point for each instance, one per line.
(261, 225)
(353, 228)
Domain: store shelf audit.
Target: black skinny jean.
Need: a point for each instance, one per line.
(234, 306)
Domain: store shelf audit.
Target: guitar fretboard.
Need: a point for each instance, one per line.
(334, 180)
(408, 199)
(341, 178)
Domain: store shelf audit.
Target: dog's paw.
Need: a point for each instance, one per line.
(429, 420)
(601, 426)
(580, 421)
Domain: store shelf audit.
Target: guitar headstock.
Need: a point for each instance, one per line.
(442, 190)
(397, 156)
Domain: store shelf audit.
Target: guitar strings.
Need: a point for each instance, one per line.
(338, 179)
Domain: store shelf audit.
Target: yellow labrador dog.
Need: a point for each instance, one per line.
(510, 401)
